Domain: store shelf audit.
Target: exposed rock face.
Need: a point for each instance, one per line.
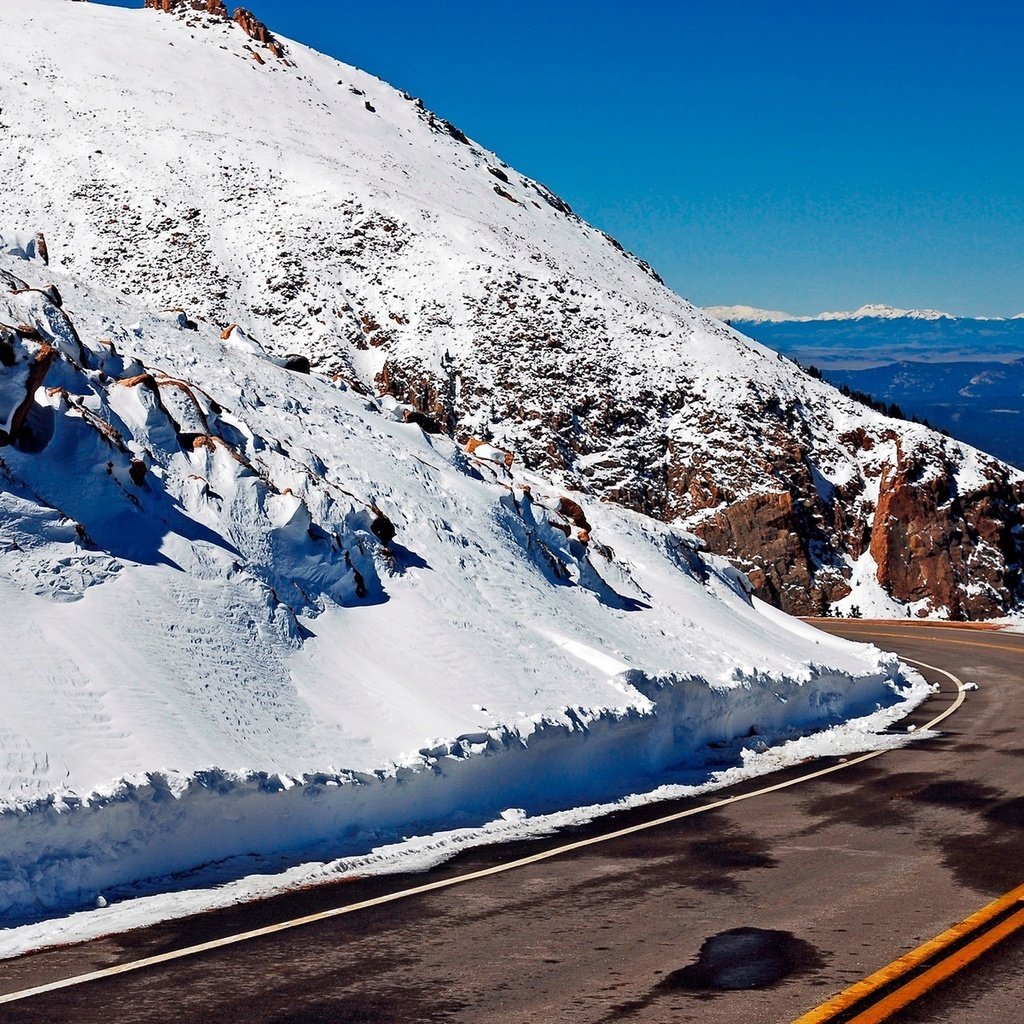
(764, 472)
(215, 8)
(255, 29)
(933, 544)
(403, 271)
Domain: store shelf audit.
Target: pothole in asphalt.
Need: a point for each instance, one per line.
(745, 958)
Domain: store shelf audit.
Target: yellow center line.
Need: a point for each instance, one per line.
(920, 984)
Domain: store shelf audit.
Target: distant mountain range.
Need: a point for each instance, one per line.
(875, 310)
(963, 375)
(877, 335)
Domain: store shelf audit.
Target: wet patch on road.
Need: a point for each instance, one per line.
(991, 861)
(712, 864)
(713, 858)
(745, 958)
(1008, 814)
(968, 794)
(986, 854)
(884, 800)
(386, 1005)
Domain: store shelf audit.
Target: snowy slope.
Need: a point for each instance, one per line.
(202, 597)
(178, 161)
(213, 644)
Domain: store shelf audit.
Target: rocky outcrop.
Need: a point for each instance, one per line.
(215, 9)
(38, 369)
(801, 507)
(255, 29)
(934, 545)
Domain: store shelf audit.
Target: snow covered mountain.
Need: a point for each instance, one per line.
(879, 311)
(751, 315)
(248, 610)
(325, 445)
(252, 611)
(336, 218)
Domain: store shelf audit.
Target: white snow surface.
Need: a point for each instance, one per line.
(251, 877)
(209, 645)
(224, 658)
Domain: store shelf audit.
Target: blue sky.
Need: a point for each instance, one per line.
(792, 154)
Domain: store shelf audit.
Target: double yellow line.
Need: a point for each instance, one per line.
(879, 996)
(905, 980)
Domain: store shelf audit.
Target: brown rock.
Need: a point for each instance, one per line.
(420, 392)
(137, 471)
(571, 510)
(215, 8)
(255, 29)
(930, 545)
(297, 363)
(761, 534)
(426, 423)
(474, 442)
(41, 364)
(382, 527)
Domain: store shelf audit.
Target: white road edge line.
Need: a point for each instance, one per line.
(298, 922)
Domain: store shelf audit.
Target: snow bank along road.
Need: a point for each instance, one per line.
(754, 910)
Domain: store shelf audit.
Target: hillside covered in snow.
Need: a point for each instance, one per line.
(177, 159)
(250, 609)
(310, 411)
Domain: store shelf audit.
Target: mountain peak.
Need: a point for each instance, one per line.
(870, 310)
(882, 311)
(750, 314)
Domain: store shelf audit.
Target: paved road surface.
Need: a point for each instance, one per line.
(814, 887)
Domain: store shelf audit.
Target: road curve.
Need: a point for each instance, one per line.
(802, 891)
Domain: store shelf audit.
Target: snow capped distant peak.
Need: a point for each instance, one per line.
(876, 310)
(883, 312)
(751, 315)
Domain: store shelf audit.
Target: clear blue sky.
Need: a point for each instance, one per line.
(793, 154)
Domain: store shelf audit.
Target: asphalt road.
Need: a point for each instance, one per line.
(797, 893)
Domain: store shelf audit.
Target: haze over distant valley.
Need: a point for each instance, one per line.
(964, 375)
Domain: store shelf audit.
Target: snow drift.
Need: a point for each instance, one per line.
(250, 610)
